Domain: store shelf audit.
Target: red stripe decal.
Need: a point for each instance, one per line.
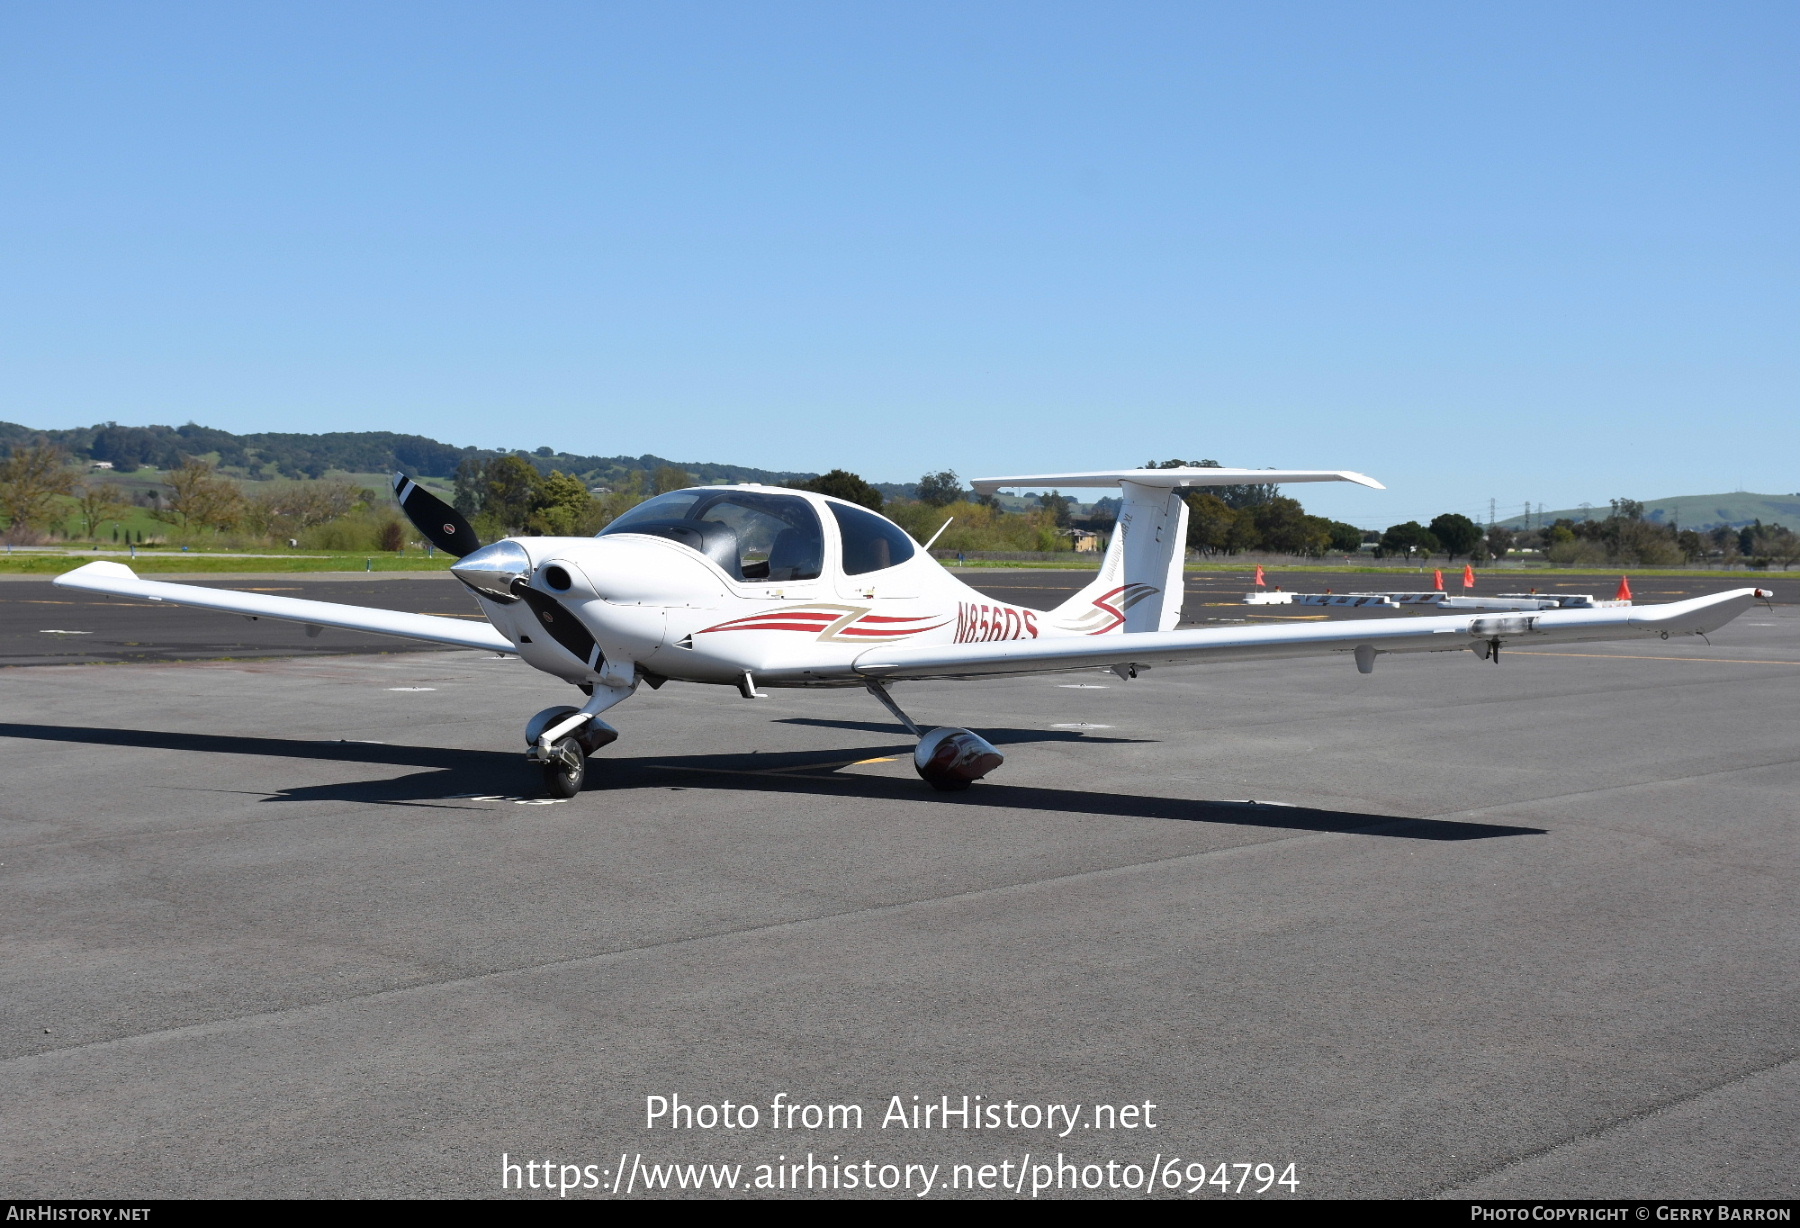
(765, 620)
(888, 633)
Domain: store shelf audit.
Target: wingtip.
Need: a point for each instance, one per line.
(99, 567)
(1362, 479)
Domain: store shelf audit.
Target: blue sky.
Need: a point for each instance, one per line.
(1516, 251)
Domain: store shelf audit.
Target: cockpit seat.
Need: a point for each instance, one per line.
(794, 555)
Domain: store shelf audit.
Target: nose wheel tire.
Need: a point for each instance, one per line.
(566, 771)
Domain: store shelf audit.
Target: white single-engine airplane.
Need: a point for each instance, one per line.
(756, 586)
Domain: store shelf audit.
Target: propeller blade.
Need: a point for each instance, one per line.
(442, 525)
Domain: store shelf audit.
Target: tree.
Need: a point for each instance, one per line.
(288, 511)
(940, 489)
(1210, 522)
(842, 484)
(471, 483)
(1499, 540)
(1456, 534)
(669, 477)
(1345, 538)
(1059, 506)
(562, 507)
(1269, 522)
(31, 479)
(1784, 546)
(1632, 540)
(1102, 515)
(1285, 528)
(1408, 539)
(509, 495)
(1242, 534)
(510, 490)
(200, 498)
(99, 502)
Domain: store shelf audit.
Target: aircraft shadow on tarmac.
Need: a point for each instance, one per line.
(454, 776)
(999, 737)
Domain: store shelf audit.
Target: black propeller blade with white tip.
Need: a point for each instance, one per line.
(442, 525)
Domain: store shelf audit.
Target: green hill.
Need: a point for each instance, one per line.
(290, 455)
(1690, 511)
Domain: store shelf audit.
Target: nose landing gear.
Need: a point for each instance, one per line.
(564, 761)
(565, 771)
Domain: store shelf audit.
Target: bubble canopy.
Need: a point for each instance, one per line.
(756, 536)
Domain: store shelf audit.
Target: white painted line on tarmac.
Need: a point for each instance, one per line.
(505, 797)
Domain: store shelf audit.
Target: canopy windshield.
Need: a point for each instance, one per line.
(754, 535)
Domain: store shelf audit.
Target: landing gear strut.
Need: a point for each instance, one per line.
(947, 759)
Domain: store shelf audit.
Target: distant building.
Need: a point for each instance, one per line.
(101, 465)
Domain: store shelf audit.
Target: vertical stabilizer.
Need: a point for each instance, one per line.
(1153, 523)
(1139, 587)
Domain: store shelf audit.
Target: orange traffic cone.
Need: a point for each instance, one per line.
(1260, 582)
(1468, 576)
(1624, 593)
(1437, 580)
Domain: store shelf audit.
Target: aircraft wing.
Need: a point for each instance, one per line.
(118, 580)
(1430, 634)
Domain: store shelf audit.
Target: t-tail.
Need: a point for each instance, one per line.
(1140, 587)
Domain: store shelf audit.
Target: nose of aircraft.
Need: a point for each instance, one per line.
(494, 569)
(625, 568)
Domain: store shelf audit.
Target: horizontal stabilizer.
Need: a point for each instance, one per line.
(1170, 479)
(118, 580)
